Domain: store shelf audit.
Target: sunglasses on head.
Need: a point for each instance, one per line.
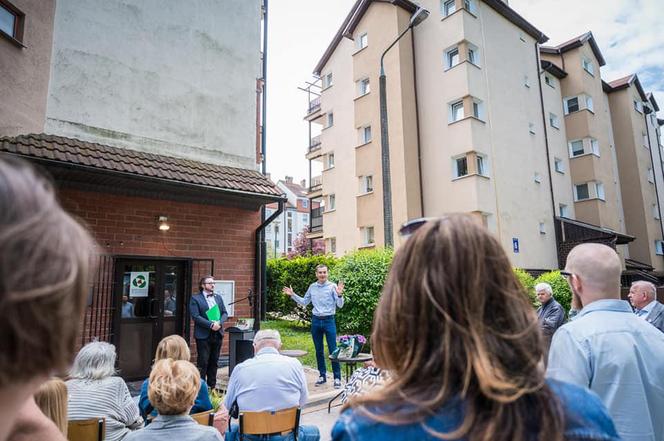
(412, 226)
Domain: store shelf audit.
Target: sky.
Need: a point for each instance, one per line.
(630, 35)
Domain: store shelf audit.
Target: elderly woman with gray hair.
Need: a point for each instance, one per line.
(95, 391)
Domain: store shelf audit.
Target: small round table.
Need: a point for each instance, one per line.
(350, 365)
(296, 353)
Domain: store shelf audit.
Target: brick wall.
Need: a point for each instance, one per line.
(125, 225)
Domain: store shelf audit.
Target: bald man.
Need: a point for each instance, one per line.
(642, 295)
(608, 349)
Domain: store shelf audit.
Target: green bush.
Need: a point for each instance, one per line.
(528, 283)
(561, 290)
(298, 273)
(363, 273)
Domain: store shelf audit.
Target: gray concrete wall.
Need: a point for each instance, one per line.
(24, 70)
(163, 76)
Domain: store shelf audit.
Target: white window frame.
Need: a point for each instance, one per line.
(566, 104)
(330, 160)
(559, 165)
(362, 41)
(365, 134)
(478, 109)
(563, 210)
(456, 105)
(333, 244)
(570, 145)
(599, 191)
(447, 7)
(576, 192)
(548, 80)
(305, 203)
(331, 202)
(554, 121)
(542, 228)
(456, 172)
(659, 247)
(366, 184)
(590, 103)
(363, 87)
(481, 162)
(594, 147)
(473, 54)
(326, 80)
(588, 65)
(368, 235)
(450, 59)
(470, 6)
(329, 119)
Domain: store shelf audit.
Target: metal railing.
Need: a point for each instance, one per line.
(314, 143)
(316, 219)
(314, 105)
(315, 185)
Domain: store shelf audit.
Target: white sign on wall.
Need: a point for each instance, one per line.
(226, 289)
(139, 281)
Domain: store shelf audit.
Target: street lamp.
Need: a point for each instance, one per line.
(418, 17)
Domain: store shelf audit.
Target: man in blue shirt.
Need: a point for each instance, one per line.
(326, 298)
(608, 349)
(643, 297)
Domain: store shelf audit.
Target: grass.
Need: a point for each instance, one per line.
(295, 335)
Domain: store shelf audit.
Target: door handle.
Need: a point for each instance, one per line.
(151, 309)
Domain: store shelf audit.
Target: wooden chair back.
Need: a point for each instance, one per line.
(91, 429)
(270, 422)
(204, 418)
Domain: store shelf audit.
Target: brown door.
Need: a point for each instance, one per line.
(149, 305)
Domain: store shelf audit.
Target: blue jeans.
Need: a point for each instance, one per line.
(305, 433)
(325, 327)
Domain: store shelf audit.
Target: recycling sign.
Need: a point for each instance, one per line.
(138, 284)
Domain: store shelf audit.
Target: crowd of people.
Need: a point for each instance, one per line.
(459, 350)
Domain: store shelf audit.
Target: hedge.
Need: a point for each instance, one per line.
(528, 283)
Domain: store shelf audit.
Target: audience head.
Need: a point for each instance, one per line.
(206, 283)
(544, 292)
(471, 333)
(641, 293)
(267, 338)
(594, 272)
(174, 347)
(95, 361)
(51, 397)
(44, 265)
(174, 385)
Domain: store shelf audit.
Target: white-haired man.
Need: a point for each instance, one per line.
(609, 350)
(642, 297)
(269, 382)
(551, 315)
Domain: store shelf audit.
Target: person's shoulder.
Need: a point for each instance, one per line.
(585, 414)
(352, 425)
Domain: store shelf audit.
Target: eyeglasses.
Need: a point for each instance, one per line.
(208, 283)
(413, 225)
(566, 274)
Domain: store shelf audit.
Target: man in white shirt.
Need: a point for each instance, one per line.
(269, 382)
(642, 297)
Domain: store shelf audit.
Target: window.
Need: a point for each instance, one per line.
(367, 235)
(651, 176)
(362, 41)
(526, 81)
(599, 190)
(456, 111)
(472, 56)
(333, 244)
(554, 121)
(589, 103)
(460, 166)
(327, 80)
(365, 135)
(366, 184)
(11, 21)
(659, 247)
(559, 165)
(363, 87)
(305, 218)
(588, 66)
(448, 7)
(481, 167)
(594, 146)
(548, 80)
(571, 105)
(452, 57)
(638, 106)
(655, 211)
(581, 192)
(563, 210)
(305, 203)
(478, 109)
(576, 148)
(331, 202)
(537, 178)
(542, 228)
(330, 120)
(469, 5)
(330, 160)
(531, 128)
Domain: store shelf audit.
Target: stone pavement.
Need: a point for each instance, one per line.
(318, 416)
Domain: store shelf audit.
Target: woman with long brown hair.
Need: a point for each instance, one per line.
(461, 342)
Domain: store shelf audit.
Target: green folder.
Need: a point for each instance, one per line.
(213, 314)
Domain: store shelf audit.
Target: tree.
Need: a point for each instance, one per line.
(302, 246)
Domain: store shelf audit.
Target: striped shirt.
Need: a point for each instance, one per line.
(108, 398)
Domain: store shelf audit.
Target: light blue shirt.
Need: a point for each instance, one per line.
(323, 296)
(269, 381)
(620, 357)
(643, 312)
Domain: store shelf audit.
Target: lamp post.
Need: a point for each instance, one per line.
(418, 17)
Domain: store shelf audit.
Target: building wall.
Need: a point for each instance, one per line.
(172, 79)
(25, 70)
(124, 225)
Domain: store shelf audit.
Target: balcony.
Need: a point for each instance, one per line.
(315, 187)
(314, 150)
(313, 110)
(316, 229)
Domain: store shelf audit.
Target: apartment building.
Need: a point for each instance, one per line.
(146, 118)
(281, 233)
(483, 119)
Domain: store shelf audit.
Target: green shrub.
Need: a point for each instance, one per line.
(363, 273)
(299, 273)
(528, 283)
(561, 290)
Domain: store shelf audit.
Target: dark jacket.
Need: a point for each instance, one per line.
(586, 419)
(551, 317)
(198, 306)
(656, 316)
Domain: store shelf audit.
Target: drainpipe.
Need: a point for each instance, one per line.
(646, 111)
(260, 268)
(546, 144)
(417, 125)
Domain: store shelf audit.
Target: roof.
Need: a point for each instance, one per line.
(621, 239)
(652, 100)
(92, 156)
(625, 82)
(553, 69)
(574, 43)
(361, 6)
(297, 189)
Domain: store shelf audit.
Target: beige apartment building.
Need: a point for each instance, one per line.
(482, 119)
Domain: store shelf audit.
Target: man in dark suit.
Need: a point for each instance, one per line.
(209, 334)
(642, 295)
